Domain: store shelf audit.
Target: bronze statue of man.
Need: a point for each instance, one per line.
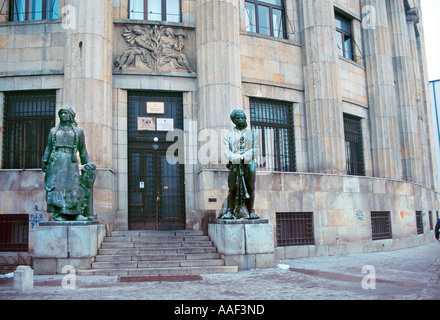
(66, 191)
(240, 147)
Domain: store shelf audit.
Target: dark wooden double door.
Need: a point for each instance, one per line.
(155, 185)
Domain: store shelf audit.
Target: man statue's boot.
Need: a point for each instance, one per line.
(252, 214)
(229, 212)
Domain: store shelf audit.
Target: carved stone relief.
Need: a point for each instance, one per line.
(156, 47)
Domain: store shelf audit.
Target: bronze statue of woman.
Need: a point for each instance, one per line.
(60, 163)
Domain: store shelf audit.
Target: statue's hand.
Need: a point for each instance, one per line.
(90, 165)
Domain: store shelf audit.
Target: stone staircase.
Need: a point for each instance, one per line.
(157, 253)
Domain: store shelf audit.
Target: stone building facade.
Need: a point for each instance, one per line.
(337, 89)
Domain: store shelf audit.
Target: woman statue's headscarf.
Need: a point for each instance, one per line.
(72, 114)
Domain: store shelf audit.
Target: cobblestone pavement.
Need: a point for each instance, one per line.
(408, 274)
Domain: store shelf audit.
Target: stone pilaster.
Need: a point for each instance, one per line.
(324, 117)
(218, 62)
(88, 74)
(385, 141)
(416, 33)
(406, 93)
(219, 92)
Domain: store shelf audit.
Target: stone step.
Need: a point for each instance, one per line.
(173, 271)
(155, 239)
(157, 253)
(173, 250)
(157, 264)
(156, 244)
(157, 233)
(157, 257)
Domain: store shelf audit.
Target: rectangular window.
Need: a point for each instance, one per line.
(353, 146)
(173, 10)
(419, 222)
(430, 221)
(14, 232)
(155, 10)
(265, 17)
(28, 118)
(273, 121)
(344, 37)
(136, 9)
(381, 225)
(295, 228)
(22, 10)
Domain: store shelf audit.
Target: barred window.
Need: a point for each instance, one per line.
(381, 225)
(295, 228)
(419, 222)
(265, 17)
(155, 10)
(14, 232)
(273, 121)
(28, 118)
(353, 146)
(22, 10)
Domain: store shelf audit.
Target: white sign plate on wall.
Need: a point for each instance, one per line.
(164, 124)
(156, 107)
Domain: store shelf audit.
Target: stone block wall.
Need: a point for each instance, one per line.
(271, 61)
(31, 48)
(20, 190)
(342, 206)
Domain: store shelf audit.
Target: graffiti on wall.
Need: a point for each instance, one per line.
(35, 217)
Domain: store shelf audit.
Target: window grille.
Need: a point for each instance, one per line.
(419, 222)
(22, 10)
(381, 225)
(155, 10)
(353, 146)
(28, 118)
(344, 36)
(273, 121)
(9, 263)
(14, 232)
(295, 228)
(265, 17)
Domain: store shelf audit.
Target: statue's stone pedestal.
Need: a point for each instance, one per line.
(248, 244)
(67, 243)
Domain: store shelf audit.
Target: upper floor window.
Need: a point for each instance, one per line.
(155, 10)
(265, 17)
(344, 36)
(22, 10)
